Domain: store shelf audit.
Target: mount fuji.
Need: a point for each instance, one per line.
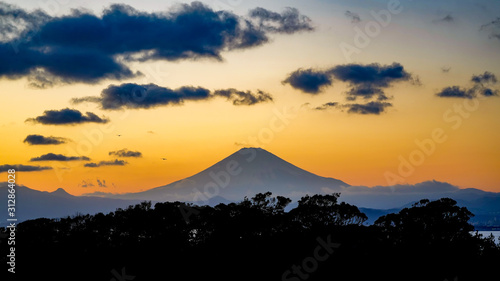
(244, 173)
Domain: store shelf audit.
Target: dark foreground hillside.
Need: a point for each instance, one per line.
(255, 239)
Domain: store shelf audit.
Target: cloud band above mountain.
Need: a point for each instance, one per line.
(367, 82)
(84, 47)
(131, 95)
(364, 80)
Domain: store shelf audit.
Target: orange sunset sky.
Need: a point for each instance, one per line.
(448, 56)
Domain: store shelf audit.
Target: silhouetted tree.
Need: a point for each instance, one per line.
(428, 222)
(255, 239)
(323, 211)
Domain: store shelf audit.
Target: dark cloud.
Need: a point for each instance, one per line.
(41, 140)
(354, 17)
(327, 106)
(366, 92)
(290, 21)
(135, 96)
(308, 80)
(365, 81)
(146, 96)
(244, 98)
(478, 88)
(84, 47)
(456, 92)
(59, 157)
(374, 74)
(486, 77)
(493, 28)
(487, 92)
(125, 153)
(106, 163)
(66, 117)
(372, 107)
(23, 168)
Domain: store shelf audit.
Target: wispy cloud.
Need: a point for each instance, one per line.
(354, 17)
(327, 106)
(116, 162)
(447, 18)
(125, 153)
(289, 22)
(101, 183)
(493, 28)
(244, 98)
(23, 168)
(59, 157)
(93, 183)
(373, 107)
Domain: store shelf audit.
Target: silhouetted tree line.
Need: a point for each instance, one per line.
(255, 239)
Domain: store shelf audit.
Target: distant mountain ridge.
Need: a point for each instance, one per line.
(32, 204)
(250, 171)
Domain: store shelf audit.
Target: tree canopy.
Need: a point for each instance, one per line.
(257, 239)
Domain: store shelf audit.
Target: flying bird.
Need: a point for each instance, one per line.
(164, 159)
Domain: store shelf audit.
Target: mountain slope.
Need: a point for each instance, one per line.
(243, 173)
(250, 171)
